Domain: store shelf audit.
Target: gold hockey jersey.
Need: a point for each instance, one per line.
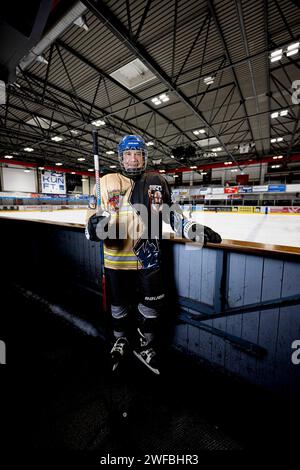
(127, 247)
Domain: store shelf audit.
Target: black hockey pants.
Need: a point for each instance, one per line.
(143, 289)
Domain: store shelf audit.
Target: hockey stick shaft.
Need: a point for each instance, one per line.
(96, 166)
(98, 193)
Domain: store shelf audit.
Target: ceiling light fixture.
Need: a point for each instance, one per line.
(199, 131)
(276, 55)
(163, 98)
(98, 122)
(282, 113)
(277, 157)
(209, 80)
(292, 49)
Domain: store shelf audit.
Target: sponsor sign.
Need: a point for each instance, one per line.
(53, 182)
(276, 188)
(245, 189)
(260, 189)
(231, 190)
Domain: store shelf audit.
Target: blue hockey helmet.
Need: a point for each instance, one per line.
(132, 142)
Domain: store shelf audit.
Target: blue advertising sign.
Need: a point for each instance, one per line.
(276, 188)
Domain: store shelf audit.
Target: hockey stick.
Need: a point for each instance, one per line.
(98, 193)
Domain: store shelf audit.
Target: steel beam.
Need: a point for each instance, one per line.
(105, 15)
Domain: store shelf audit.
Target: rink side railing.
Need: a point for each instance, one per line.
(237, 305)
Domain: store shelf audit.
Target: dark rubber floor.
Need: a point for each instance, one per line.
(63, 396)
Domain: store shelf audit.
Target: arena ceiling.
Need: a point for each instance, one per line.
(218, 62)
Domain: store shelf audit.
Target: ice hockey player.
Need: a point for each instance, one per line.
(133, 205)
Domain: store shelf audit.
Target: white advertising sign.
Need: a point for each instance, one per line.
(53, 182)
(260, 189)
(218, 190)
(216, 196)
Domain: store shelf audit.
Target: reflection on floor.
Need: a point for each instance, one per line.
(65, 397)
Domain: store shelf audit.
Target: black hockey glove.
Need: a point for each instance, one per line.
(96, 227)
(211, 236)
(200, 233)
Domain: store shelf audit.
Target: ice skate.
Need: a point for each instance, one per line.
(146, 353)
(118, 351)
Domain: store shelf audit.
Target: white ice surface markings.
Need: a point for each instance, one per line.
(261, 228)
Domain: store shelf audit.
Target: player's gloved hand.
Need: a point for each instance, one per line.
(211, 236)
(200, 233)
(193, 231)
(96, 227)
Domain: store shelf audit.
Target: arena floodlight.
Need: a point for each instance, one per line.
(284, 112)
(98, 122)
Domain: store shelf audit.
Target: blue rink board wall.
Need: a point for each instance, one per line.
(238, 311)
(254, 309)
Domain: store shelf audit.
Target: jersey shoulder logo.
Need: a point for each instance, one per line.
(155, 197)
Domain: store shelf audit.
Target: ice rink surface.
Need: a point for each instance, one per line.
(271, 228)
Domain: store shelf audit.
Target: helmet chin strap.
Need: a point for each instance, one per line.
(133, 177)
(132, 174)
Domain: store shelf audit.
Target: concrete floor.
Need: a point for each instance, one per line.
(64, 397)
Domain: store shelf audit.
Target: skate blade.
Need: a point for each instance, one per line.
(155, 371)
